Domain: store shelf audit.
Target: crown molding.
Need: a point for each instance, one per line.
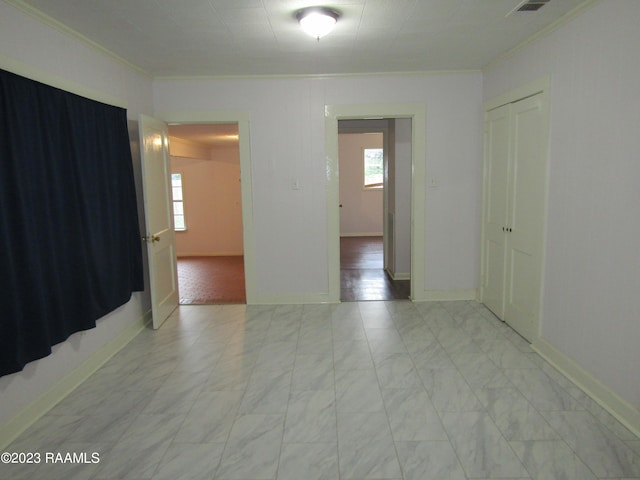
(316, 76)
(50, 21)
(563, 20)
(61, 27)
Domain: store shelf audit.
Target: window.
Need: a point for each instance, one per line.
(178, 204)
(373, 168)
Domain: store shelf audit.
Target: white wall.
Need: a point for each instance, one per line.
(47, 54)
(361, 211)
(591, 311)
(402, 198)
(288, 142)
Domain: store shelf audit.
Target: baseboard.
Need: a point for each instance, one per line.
(622, 410)
(52, 396)
(444, 295)
(290, 298)
(209, 254)
(362, 234)
(398, 276)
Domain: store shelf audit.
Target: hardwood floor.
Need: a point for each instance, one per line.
(362, 275)
(217, 280)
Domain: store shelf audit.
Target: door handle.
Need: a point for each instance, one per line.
(152, 238)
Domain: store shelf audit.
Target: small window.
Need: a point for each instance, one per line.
(178, 203)
(373, 168)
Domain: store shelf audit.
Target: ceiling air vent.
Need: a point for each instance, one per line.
(530, 6)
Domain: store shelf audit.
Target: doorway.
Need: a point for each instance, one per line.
(372, 246)
(417, 114)
(207, 199)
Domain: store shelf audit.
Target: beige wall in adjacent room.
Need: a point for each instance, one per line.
(361, 212)
(212, 202)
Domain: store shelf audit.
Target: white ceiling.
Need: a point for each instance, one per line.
(262, 37)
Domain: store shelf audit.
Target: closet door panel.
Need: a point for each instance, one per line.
(527, 180)
(497, 153)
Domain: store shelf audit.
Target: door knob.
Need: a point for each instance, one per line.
(152, 238)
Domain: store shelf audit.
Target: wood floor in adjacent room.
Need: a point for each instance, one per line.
(221, 279)
(211, 280)
(362, 275)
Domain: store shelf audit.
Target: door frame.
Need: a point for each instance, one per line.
(417, 113)
(385, 190)
(242, 119)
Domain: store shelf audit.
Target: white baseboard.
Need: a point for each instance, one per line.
(291, 298)
(622, 410)
(209, 254)
(45, 402)
(429, 295)
(362, 234)
(399, 276)
(444, 295)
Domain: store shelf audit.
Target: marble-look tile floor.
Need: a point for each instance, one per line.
(371, 390)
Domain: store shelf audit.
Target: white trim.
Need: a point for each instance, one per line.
(291, 299)
(622, 410)
(540, 86)
(418, 73)
(549, 29)
(210, 254)
(248, 236)
(399, 275)
(60, 389)
(362, 234)
(33, 73)
(417, 112)
(448, 295)
(61, 27)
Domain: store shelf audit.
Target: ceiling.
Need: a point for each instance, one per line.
(262, 37)
(207, 135)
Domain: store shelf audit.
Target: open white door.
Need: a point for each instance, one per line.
(158, 206)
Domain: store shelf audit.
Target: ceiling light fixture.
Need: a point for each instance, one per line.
(317, 21)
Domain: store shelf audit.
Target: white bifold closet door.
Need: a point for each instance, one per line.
(516, 144)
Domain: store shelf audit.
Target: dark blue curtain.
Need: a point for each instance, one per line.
(70, 249)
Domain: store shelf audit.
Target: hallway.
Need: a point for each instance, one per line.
(362, 275)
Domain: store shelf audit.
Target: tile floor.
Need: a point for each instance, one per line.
(369, 390)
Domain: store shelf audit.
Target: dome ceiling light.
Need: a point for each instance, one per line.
(317, 21)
